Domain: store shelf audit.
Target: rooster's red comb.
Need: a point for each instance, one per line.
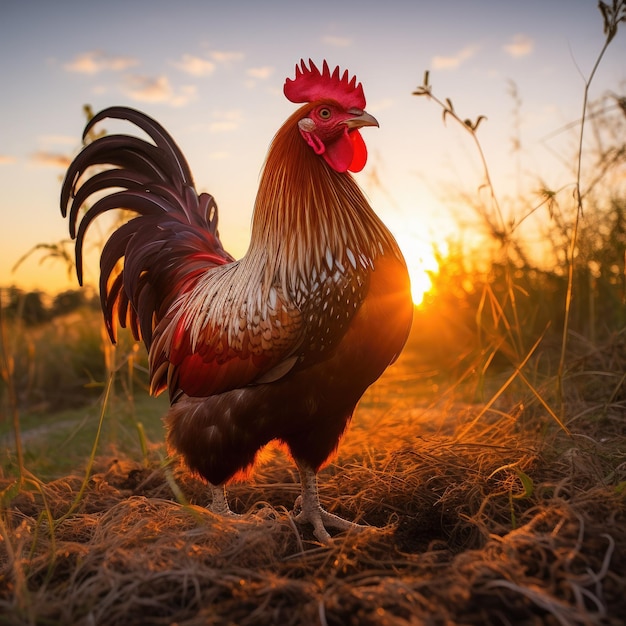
(310, 84)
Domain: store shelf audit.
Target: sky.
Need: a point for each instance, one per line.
(212, 73)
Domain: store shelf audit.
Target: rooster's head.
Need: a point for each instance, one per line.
(334, 113)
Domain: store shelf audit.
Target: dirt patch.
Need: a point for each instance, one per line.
(491, 529)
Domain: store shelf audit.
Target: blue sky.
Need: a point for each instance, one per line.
(212, 73)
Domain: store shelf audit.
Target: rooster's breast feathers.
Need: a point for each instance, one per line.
(215, 338)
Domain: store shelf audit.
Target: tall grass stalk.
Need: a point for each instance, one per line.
(516, 372)
(612, 16)
(21, 592)
(471, 127)
(7, 363)
(94, 449)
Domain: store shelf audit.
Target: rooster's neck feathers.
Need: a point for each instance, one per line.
(310, 220)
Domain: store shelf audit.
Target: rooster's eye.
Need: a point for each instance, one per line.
(324, 113)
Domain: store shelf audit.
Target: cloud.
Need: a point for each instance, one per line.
(336, 41)
(221, 122)
(5, 159)
(451, 62)
(58, 140)
(196, 66)
(202, 66)
(51, 152)
(223, 56)
(50, 159)
(157, 89)
(97, 61)
(225, 121)
(260, 72)
(520, 46)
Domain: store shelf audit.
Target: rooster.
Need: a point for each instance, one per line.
(281, 344)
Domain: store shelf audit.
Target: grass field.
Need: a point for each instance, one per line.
(500, 520)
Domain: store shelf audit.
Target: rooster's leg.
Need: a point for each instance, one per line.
(312, 511)
(219, 502)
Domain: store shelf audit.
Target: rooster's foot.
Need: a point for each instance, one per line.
(321, 519)
(312, 511)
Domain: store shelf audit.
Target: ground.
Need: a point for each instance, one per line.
(475, 519)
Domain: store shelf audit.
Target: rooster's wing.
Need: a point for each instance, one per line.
(214, 339)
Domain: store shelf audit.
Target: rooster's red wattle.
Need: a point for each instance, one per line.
(281, 344)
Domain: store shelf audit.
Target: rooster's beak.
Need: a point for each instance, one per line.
(361, 118)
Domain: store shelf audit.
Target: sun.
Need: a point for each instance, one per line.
(421, 262)
(421, 283)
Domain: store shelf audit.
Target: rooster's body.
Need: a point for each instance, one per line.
(282, 343)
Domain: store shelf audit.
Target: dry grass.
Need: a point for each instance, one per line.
(501, 527)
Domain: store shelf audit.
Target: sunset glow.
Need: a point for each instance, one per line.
(420, 283)
(421, 262)
(219, 93)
